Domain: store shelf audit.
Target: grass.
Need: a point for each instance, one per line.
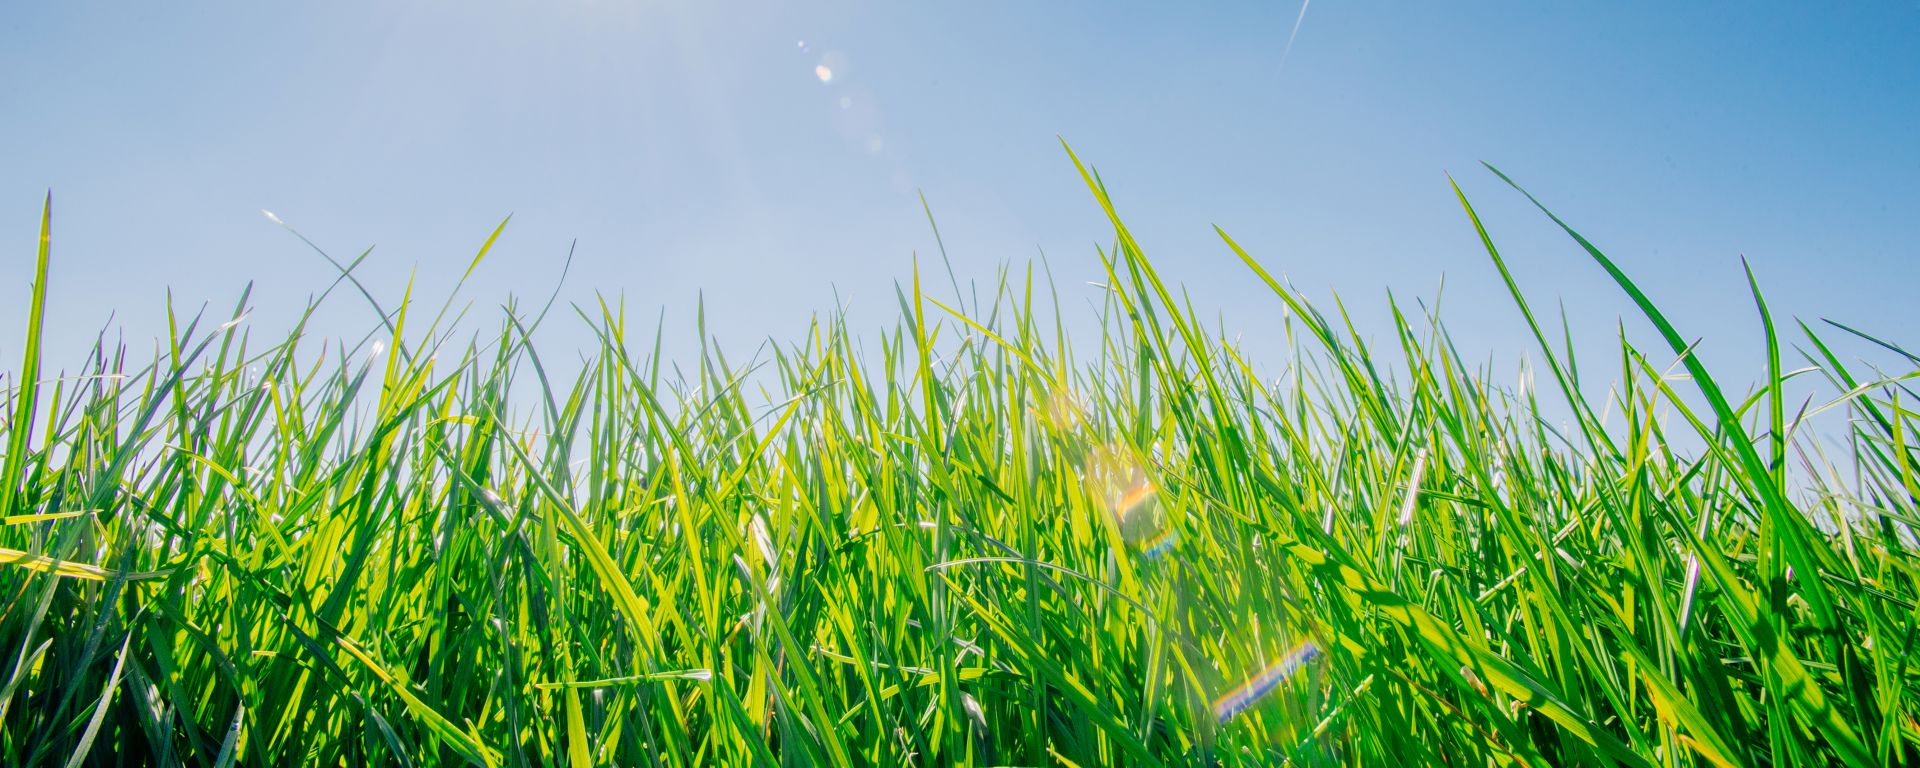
(977, 546)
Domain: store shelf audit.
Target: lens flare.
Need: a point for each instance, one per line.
(831, 67)
(1115, 476)
(1254, 689)
(1119, 481)
(1160, 544)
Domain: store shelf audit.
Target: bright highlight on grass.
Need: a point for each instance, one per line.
(429, 546)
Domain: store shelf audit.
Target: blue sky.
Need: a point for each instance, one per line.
(692, 148)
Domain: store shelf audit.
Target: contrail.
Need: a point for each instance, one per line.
(1296, 33)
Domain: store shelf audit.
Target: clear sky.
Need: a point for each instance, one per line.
(695, 148)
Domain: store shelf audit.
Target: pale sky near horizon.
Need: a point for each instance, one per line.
(696, 149)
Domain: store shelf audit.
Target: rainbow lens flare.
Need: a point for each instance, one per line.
(1243, 698)
(1119, 481)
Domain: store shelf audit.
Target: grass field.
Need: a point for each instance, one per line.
(969, 544)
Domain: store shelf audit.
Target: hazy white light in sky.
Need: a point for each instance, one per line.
(824, 72)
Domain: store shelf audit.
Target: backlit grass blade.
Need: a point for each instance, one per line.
(26, 381)
(71, 570)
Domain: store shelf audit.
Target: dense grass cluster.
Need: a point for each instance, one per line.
(976, 546)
